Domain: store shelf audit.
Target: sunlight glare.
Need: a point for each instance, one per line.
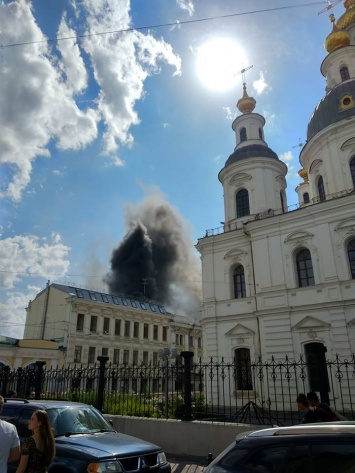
(218, 63)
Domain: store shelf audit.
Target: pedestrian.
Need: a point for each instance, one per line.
(37, 451)
(322, 410)
(32, 395)
(12, 394)
(310, 416)
(9, 442)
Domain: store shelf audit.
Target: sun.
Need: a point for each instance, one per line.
(218, 63)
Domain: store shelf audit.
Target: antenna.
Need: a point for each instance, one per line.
(330, 5)
(242, 72)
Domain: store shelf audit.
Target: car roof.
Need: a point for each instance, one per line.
(43, 404)
(345, 427)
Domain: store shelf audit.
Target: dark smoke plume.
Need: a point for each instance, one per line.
(156, 259)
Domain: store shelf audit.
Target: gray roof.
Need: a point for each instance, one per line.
(117, 300)
(251, 151)
(328, 110)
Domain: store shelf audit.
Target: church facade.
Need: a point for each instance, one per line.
(279, 282)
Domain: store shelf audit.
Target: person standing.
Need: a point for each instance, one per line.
(9, 442)
(322, 410)
(37, 451)
(310, 416)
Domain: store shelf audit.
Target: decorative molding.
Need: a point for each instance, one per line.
(240, 332)
(239, 179)
(348, 144)
(347, 225)
(235, 254)
(310, 324)
(314, 166)
(298, 237)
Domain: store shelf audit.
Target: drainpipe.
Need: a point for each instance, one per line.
(254, 284)
(45, 310)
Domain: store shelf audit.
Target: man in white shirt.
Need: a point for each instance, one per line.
(9, 442)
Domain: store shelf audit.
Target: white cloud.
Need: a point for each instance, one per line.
(42, 107)
(13, 313)
(186, 5)
(260, 84)
(22, 256)
(228, 113)
(287, 156)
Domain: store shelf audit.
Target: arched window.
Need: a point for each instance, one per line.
(306, 198)
(243, 378)
(243, 134)
(321, 191)
(352, 169)
(282, 202)
(239, 282)
(261, 133)
(304, 268)
(351, 256)
(242, 203)
(344, 73)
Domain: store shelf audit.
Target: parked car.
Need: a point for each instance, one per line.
(312, 448)
(85, 441)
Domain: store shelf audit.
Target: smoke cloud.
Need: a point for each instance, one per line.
(156, 259)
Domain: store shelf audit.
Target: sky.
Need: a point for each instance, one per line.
(112, 107)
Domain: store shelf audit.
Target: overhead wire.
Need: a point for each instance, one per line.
(163, 25)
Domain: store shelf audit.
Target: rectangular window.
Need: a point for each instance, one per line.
(91, 356)
(199, 342)
(136, 330)
(146, 331)
(106, 325)
(135, 357)
(191, 341)
(117, 327)
(165, 334)
(104, 298)
(177, 339)
(79, 293)
(125, 302)
(145, 358)
(155, 332)
(133, 303)
(92, 296)
(127, 326)
(80, 323)
(143, 305)
(153, 308)
(104, 351)
(77, 353)
(125, 357)
(93, 323)
(115, 300)
(155, 358)
(116, 356)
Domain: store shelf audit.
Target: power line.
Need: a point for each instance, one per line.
(162, 25)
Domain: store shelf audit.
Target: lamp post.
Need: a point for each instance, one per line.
(165, 354)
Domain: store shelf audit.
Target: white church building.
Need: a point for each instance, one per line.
(279, 282)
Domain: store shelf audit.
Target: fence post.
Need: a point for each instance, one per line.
(38, 378)
(187, 355)
(101, 388)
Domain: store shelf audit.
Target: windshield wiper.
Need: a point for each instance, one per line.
(68, 434)
(101, 431)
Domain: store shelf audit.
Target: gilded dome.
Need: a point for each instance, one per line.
(246, 104)
(337, 38)
(303, 175)
(348, 18)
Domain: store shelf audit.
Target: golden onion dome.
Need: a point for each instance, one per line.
(303, 175)
(348, 18)
(337, 38)
(246, 104)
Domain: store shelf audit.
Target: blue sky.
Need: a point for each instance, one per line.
(93, 129)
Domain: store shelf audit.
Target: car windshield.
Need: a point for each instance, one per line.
(77, 420)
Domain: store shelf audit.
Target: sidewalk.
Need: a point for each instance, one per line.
(182, 464)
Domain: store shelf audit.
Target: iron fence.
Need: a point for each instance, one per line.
(257, 392)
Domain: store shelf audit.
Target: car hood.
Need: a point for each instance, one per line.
(106, 444)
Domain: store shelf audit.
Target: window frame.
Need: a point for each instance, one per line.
(308, 270)
(351, 259)
(242, 205)
(239, 286)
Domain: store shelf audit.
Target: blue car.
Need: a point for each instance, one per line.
(85, 441)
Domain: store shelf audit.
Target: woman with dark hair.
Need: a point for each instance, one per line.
(37, 451)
